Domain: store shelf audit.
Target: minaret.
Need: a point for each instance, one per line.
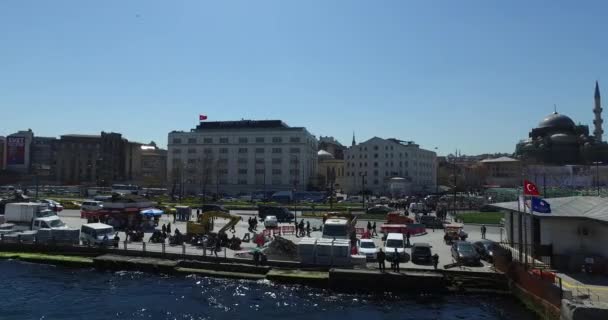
(354, 143)
(597, 110)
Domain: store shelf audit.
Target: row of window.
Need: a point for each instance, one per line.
(376, 155)
(239, 161)
(243, 180)
(224, 171)
(376, 173)
(240, 150)
(210, 140)
(364, 164)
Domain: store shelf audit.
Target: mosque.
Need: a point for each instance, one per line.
(557, 140)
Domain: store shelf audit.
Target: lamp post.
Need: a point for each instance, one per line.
(597, 176)
(363, 174)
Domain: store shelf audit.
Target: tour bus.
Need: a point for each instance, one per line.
(126, 189)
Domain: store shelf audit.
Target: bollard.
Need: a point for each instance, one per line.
(163, 246)
(183, 249)
(224, 253)
(143, 246)
(125, 244)
(204, 250)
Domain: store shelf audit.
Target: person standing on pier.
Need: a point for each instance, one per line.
(396, 259)
(381, 256)
(169, 228)
(435, 260)
(308, 229)
(407, 238)
(483, 231)
(374, 233)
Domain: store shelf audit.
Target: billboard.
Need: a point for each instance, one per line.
(15, 150)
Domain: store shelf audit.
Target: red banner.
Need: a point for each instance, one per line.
(15, 150)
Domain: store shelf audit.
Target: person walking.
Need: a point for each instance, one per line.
(174, 216)
(369, 227)
(407, 237)
(396, 259)
(218, 246)
(169, 228)
(483, 231)
(308, 229)
(381, 256)
(164, 228)
(374, 233)
(435, 260)
(301, 228)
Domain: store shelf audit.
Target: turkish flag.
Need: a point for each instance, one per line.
(202, 117)
(530, 189)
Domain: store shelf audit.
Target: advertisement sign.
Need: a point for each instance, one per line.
(15, 151)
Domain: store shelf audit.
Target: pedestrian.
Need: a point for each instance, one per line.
(164, 228)
(483, 231)
(396, 259)
(218, 246)
(301, 228)
(435, 260)
(374, 233)
(174, 216)
(308, 229)
(256, 257)
(369, 227)
(381, 256)
(407, 237)
(169, 228)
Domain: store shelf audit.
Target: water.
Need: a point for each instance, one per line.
(32, 291)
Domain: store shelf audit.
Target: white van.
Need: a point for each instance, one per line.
(394, 241)
(95, 234)
(91, 205)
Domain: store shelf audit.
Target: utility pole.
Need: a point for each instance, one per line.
(597, 176)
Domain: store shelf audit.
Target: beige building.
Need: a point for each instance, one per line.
(241, 157)
(330, 171)
(153, 166)
(502, 171)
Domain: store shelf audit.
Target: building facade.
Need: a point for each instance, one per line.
(372, 164)
(241, 157)
(44, 155)
(330, 172)
(502, 172)
(17, 152)
(153, 166)
(99, 160)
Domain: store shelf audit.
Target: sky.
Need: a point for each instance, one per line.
(469, 75)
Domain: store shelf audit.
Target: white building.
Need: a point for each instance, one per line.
(372, 164)
(241, 157)
(576, 228)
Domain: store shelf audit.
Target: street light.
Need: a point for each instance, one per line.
(363, 175)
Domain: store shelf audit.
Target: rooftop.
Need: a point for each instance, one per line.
(244, 124)
(500, 159)
(592, 208)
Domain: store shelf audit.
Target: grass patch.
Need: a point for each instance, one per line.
(47, 258)
(480, 217)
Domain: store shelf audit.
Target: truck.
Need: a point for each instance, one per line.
(44, 224)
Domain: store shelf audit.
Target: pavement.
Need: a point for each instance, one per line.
(434, 238)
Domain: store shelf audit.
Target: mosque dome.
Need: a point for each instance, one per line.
(324, 155)
(557, 121)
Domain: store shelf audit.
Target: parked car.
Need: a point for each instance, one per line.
(421, 252)
(91, 205)
(368, 248)
(379, 210)
(271, 222)
(212, 207)
(52, 204)
(464, 252)
(487, 249)
(281, 213)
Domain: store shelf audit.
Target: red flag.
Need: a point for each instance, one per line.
(202, 117)
(530, 189)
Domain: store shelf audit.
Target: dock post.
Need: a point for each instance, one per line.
(163, 248)
(144, 246)
(183, 249)
(224, 253)
(124, 244)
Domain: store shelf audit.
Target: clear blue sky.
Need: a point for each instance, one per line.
(473, 75)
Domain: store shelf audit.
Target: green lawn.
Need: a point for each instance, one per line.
(480, 217)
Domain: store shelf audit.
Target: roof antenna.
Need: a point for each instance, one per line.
(554, 108)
